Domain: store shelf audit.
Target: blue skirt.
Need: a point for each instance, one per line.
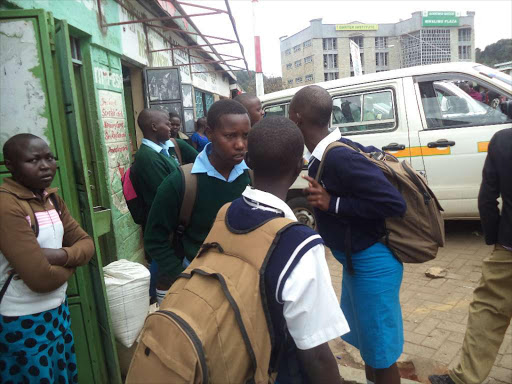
(370, 300)
(38, 348)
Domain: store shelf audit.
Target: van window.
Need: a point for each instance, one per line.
(372, 111)
(462, 102)
(276, 110)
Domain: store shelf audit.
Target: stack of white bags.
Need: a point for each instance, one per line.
(127, 286)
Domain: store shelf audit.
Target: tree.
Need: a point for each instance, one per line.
(247, 80)
(498, 52)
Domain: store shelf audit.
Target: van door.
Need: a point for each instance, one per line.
(460, 114)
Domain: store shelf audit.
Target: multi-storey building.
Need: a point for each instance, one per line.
(321, 52)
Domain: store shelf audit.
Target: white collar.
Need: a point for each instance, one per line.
(257, 196)
(168, 144)
(319, 150)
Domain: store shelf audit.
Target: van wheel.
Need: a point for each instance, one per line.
(303, 211)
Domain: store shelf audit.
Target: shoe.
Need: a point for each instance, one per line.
(441, 379)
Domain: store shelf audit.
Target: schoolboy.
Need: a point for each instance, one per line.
(351, 203)
(253, 106)
(40, 247)
(222, 176)
(156, 157)
(298, 285)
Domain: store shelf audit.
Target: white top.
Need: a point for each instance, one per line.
(19, 299)
(311, 309)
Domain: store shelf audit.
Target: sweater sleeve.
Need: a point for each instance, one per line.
(19, 246)
(488, 197)
(371, 195)
(150, 173)
(188, 153)
(162, 221)
(76, 242)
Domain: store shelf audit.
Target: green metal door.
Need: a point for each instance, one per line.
(37, 54)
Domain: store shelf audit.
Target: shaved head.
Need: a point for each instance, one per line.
(149, 116)
(13, 145)
(314, 104)
(253, 106)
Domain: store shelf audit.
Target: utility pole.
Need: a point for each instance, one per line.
(260, 90)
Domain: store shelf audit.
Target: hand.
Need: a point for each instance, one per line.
(317, 196)
(55, 256)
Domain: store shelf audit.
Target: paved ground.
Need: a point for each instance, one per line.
(435, 310)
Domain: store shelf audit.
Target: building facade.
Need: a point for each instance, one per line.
(321, 52)
(78, 73)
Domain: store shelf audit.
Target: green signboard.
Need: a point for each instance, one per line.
(440, 19)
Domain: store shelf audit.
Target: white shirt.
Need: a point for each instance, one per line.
(311, 309)
(319, 150)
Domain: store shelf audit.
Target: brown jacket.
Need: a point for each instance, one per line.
(19, 245)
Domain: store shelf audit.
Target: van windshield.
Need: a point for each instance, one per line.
(494, 74)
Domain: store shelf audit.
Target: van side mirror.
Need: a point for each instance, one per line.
(506, 108)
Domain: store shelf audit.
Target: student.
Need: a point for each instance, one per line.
(221, 177)
(175, 121)
(36, 341)
(253, 106)
(350, 205)
(490, 311)
(297, 279)
(199, 138)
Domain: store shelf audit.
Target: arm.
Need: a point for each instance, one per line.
(19, 245)
(162, 221)
(313, 315)
(488, 198)
(77, 244)
(320, 365)
(150, 173)
(188, 153)
(372, 195)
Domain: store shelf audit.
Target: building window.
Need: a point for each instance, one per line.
(296, 48)
(381, 42)
(290, 82)
(307, 43)
(370, 112)
(298, 63)
(426, 46)
(358, 40)
(331, 61)
(464, 52)
(331, 76)
(288, 52)
(76, 55)
(308, 78)
(308, 59)
(330, 44)
(381, 59)
(289, 66)
(298, 80)
(465, 34)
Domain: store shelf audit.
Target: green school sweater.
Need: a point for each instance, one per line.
(212, 194)
(188, 152)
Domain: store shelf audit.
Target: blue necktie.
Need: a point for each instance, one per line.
(165, 152)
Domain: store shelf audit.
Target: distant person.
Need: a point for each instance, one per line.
(468, 88)
(222, 176)
(199, 138)
(490, 312)
(41, 245)
(176, 133)
(253, 106)
(351, 203)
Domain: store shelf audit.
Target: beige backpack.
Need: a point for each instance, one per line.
(417, 236)
(213, 325)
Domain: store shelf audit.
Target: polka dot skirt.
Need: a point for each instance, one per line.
(38, 348)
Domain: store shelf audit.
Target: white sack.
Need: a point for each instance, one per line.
(127, 286)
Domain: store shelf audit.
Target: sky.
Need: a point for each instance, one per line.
(276, 18)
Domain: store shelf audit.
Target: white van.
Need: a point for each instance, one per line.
(439, 117)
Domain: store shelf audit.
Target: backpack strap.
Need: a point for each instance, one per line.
(55, 203)
(29, 211)
(178, 150)
(333, 145)
(6, 285)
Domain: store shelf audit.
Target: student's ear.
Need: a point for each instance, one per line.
(8, 165)
(248, 160)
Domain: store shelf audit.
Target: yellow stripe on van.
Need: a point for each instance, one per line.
(483, 146)
(422, 151)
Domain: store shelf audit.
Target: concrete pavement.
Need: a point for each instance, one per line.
(435, 311)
